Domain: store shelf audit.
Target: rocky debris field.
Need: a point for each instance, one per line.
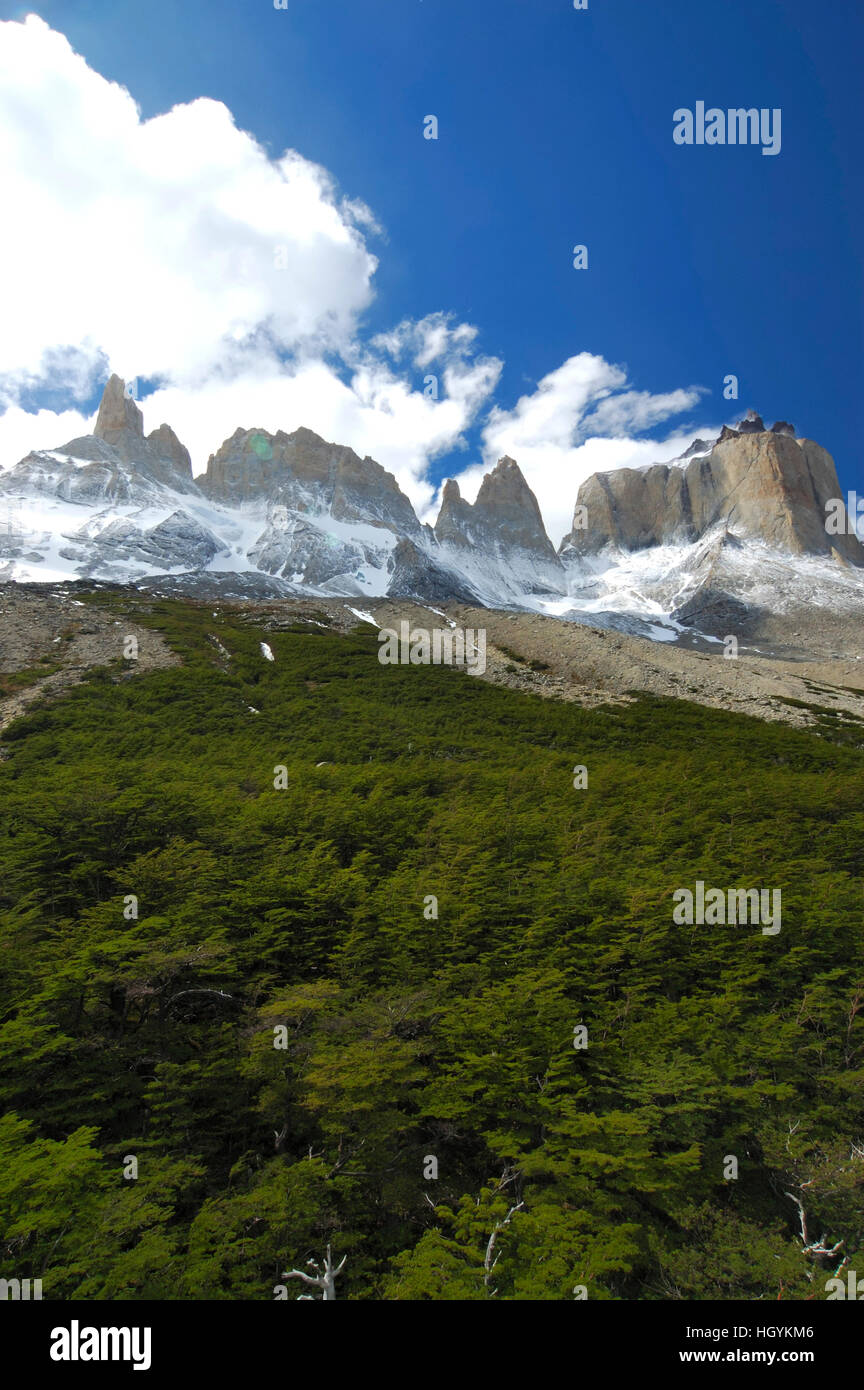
(50, 638)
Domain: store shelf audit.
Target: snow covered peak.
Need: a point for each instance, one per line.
(698, 541)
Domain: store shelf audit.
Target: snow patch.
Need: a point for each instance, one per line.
(358, 613)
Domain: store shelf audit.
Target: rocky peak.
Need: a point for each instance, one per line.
(751, 424)
(306, 473)
(505, 481)
(306, 438)
(699, 446)
(505, 513)
(164, 446)
(454, 516)
(118, 416)
(118, 443)
(759, 484)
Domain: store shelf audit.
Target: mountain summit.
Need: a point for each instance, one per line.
(757, 484)
(303, 472)
(505, 514)
(711, 542)
(118, 441)
(499, 539)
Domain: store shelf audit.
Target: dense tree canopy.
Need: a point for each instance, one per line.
(245, 992)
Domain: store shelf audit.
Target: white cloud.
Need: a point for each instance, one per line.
(158, 243)
(437, 337)
(176, 249)
(23, 430)
(636, 411)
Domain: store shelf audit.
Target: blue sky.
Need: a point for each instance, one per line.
(555, 128)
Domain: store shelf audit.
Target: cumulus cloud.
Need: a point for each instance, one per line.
(23, 430)
(175, 249)
(158, 243)
(437, 337)
(633, 412)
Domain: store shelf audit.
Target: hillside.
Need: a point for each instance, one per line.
(169, 914)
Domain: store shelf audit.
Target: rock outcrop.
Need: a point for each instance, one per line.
(303, 472)
(119, 421)
(170, 458)
(178, 542)
(505, 514)
(500, 538)
(416, 574)
(759, 484)
(118, 439)
(301, 549)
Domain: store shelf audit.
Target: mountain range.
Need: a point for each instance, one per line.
(730, 537)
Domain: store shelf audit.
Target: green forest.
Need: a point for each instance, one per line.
(417, 996)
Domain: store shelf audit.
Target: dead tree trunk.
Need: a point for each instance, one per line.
(324, 1280)
(489, 1264)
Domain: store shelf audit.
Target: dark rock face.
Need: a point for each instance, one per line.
(761, 484)
(783, 427)
(751, 424)
(715, 612)
(415, 574)
(164, 446)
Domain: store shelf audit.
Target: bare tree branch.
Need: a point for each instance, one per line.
(326, 1282)
(219, 993)
(812, 1247)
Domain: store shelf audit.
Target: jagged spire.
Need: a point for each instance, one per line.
(505, 513)
(118, 413)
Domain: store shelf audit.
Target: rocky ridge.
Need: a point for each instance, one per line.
(729, 537)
